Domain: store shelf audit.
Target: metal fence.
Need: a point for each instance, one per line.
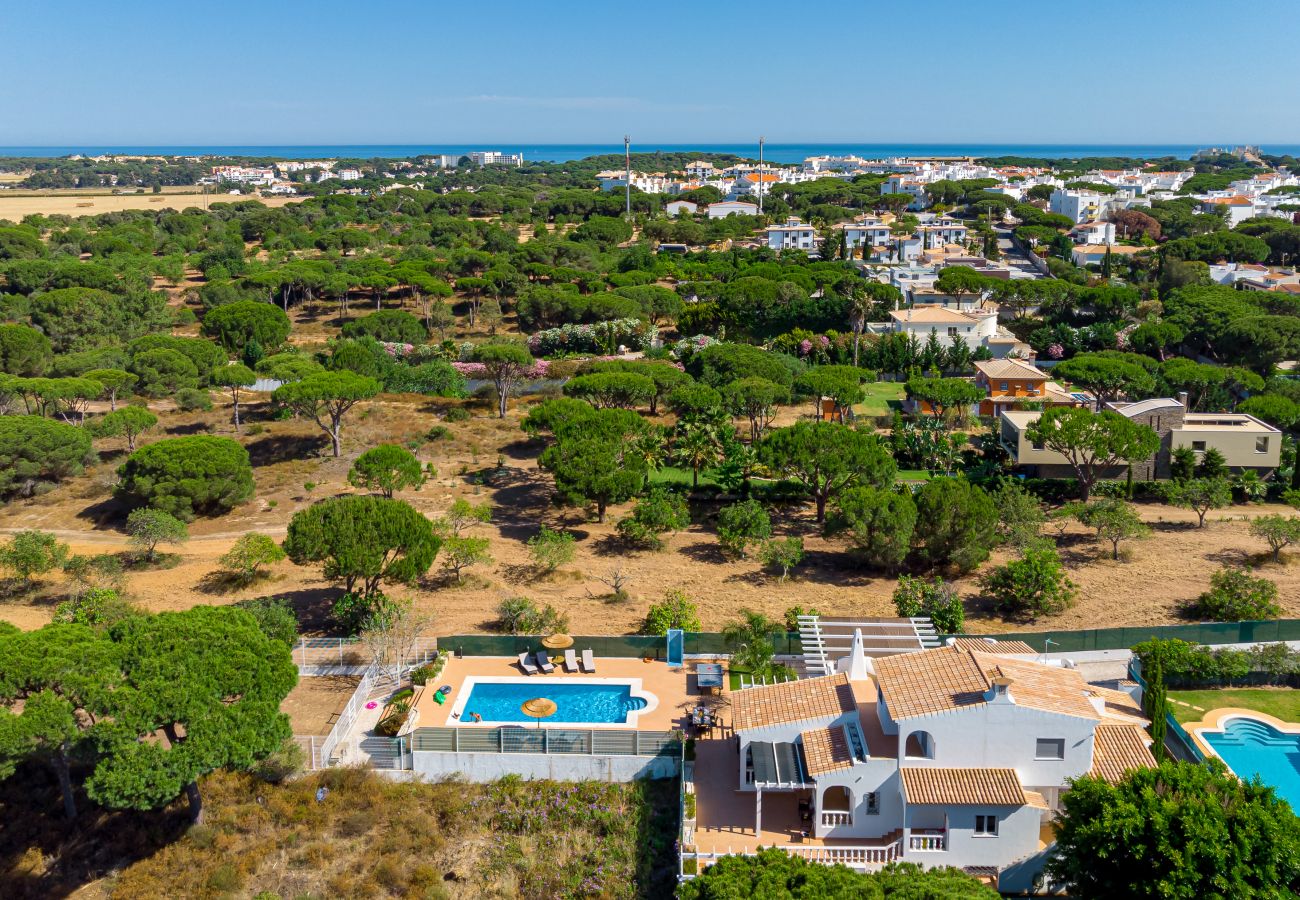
(315, 656)
(585, 741)
(1124, 638)
(322, 751)
(638, 646)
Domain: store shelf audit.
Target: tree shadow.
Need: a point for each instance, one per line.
(522, 449)
(704, 552)
(96, 844)
(313, 607)
(274, 449)
(1235, 558)
(105, 514)
(188, 428)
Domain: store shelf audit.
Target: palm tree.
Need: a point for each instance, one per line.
(861, 305)
(751, 639)
(698, 446)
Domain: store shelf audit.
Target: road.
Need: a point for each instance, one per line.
(1013, 258)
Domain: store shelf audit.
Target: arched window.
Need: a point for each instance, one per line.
(837, 798)
(920, 745)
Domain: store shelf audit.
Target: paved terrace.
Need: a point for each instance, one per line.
(675, 689)
(725, 815)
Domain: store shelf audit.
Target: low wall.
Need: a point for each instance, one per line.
(481, 767)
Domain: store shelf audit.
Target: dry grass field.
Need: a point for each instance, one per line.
(487, 460)
(15, 204)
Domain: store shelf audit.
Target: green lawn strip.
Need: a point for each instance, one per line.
(1281, 703)
(883, 397)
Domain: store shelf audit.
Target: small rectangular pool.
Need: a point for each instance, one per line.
(1251, 748)
(589, 701)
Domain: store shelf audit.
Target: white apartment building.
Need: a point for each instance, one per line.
(349, 174)
(495, 158)
(1078, 205)
(1236, 208)
(1093, 233)
(955, 756)
(865, 231)
(700, 169)
(245, 174)
(941, 232)
(906, 184)
(793, 235)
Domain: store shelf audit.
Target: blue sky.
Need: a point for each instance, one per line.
(238, 72)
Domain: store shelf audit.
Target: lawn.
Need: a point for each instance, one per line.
(671, 475)
(883, 397)
(1281, 703)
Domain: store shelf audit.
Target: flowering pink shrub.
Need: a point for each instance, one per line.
(1055, 351)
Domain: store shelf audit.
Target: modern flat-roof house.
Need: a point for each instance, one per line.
(1095, 254)
(677, 207)
(1245, 442)
(956, 756)
(1009, 383)
(978, 328)
(793, 235)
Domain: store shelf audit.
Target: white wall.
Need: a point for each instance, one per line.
(482, 767)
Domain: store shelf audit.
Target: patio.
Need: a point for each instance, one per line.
(676, 690)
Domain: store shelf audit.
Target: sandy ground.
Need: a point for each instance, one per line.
(1146, 586)
(15, 205)
(314, 705)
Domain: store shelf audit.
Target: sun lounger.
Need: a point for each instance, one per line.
(570, 660)
(589, 661)
(544, 662)
(527, 664)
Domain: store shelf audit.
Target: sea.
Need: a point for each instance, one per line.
(559, 153)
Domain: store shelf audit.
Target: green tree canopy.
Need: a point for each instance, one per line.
(826, 458)
(596, 460)
(235, 325)
(363, 541)
(1183, 831)
(1106, 377)
(34, 449)
(1092, 442)
(878, 521)
(956, 523)
(505, 365)
(24, 350)
(326, 397)
(129, 421)
(392, 325)
(189, 476)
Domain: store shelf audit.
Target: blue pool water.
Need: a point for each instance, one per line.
(1252, 749)
(607, 703)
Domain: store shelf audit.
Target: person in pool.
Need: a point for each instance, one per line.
(476, 717)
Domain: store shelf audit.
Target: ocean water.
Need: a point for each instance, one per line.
(778, 153)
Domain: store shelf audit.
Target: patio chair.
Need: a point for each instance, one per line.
(544, 662)
(589, 661)
(527, 664)
(570, 660)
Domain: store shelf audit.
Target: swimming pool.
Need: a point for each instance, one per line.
(1253, 748)
(589, 701)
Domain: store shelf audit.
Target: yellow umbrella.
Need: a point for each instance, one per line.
(538, 708)
(557, 642)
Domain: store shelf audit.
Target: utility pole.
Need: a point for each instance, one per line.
(760, 174)
(627, 160)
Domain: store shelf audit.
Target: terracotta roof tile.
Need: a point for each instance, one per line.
(1117, 749)
(1010, 368)
(999, 787)
(950, 678)
(979, 645)
(792, 701)
(826, 750)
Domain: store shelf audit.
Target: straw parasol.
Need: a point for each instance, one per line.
(557, 642)
(538, 708)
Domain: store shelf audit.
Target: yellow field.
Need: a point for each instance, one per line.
(14, 205)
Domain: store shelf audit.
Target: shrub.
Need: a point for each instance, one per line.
(956, 523)
(783, 554)
(461, 552)
(1277, 531)
(550, 549)
(422, 675)
(1034, 585)
(675, 611)
(1236, 596)
(601, 337)
(274, 615)
(520, 615)
(281, 765)
(742, 524)
(936, 600)
(244, 560)
(386, 469)
(31, 553)
(457, 414)
(193, 400)
(791, 618)
(659, 512)
(95, 608)
(150, 527)
(188, 476)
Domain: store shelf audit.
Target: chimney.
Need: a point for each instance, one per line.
(1000, 691)
(1182, 398)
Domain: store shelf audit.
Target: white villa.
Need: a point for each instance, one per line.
(977, 328)
(793, 235)
(724, 208)
(955, 756)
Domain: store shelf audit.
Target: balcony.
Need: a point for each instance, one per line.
(831, 818)
(927, 843)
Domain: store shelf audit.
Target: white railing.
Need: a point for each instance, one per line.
(927, 842)
(348, 717)
(837, 818)
(849, 856)
(327, 656)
